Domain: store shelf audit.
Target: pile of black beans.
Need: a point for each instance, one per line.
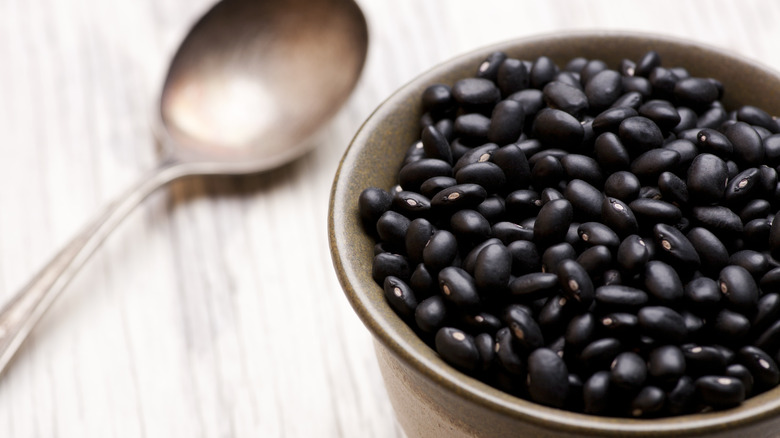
(593, 238)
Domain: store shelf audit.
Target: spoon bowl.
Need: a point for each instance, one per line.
(249, 86)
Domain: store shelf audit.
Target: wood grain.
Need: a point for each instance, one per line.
(213, 311)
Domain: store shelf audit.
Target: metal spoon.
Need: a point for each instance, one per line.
(248, 88)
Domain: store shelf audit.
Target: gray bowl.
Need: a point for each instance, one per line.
(432, 399)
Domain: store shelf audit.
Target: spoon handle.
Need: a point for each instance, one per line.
(20, 314)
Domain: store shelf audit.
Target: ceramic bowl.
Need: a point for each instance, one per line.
(432, 399)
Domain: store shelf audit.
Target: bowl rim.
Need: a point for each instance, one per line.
(408, 349)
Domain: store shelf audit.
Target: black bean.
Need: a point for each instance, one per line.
(552, 222)
(742, 187)
(662, 112)
(754, 262)
(595, 260)
(769, 339)
(720, 392)
(621, 297)
(718, 219)
(648, 402)
(400, 296)
(546, 171)
(469, 226)
(509, 232)
(565, 97)
(695, 93)
(534, 285)
(651, 211)
(458, 287)
(632, 254)
(603, 89)
(512, 76)
(392, 227)
(772, 149)
(488, 69)
(436, 144)
(514, 164)
(767, 311)
(486, 174)
(418, 233)
(609, 120)
(638, 85)
(676, 248)
(591, 69)
(622, 185)
(470, 260)
(438, 99)
(739, 288)
(628, 371)
(714, 142)
(687, 150)
(680, 399)
(485, 347)
(707, 178)
(649, 165)
(577, 166)
(548, 378)
(662, 282)
(431, 314)
(507, 353)
(580, 330)
(666, 363)
(596, 233)
(639, 134)
(524, 328)
(549, 194)
(756, 234)
(663, 81)
(631, 99)
(688, 119)
(712, 117)
(506, 123)
(542, 71)
(673, 188)
(493, 268)
(387, 264)
(531, 99)
(555, 254)
(617, 215)
(585, 199)
(600, 353)
(479, 154)
(756, 116)
(422, 282)
(372, 204)
(647, 63)
(729, 326)
(774, 236)
(411, 204)
(662, 324)
(620, 325)
(476, 92)
(767, 179)
(457, 348)
(596, 393)
(703, 359)
(761, 366)
(525, 258)
(575, 282)
(558, 127)
(703, 293)
(415, 173)
(755, 209)
(554, 314)
(472, 127)
(459, 196)
(441, 250)
(434, 185)
(748, 146)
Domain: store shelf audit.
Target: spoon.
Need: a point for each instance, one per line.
(246, 91)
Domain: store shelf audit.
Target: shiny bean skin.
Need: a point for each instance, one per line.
(434, 185)
(493, 268)
(596, 233)
(632, 254)
(577, 166)
(600, 353)
(372, 204)
(411, 204)
(662, 324)
(639, 134)
(595, 393)
(756, 263)
(437, 99)
(695, 93)
(512, 76)
(687, 150)
(479, 154)
(400, 296)
(628, 371)
(720, 392)
(622, 185)
(440, 251)
(543, 70)
(748, 146)
(418, 233)
(704, 293)
(507, 353)
(662, 112)
(555, 254)
(422, 282)
(435, 144)
(558, 127)
(595, 260)
(575, 282)
(546, 172)
(548, 378)
(565, 97)
(681, 398)
(524, 328)
(459, 196)
(620, 325)
(610, 152)
(585, 199)
(761, 366)
(739, 288)
(552, 222)
(676, 248)
(513, 162)
(730, 327)
(476, 92)
(673, 188)
(581, 330)
(525, 257)
(431, 314)
(534, 285)
(718, 219)
(662, 282)
(703, 360)
(458, 348)
(617, 215)
(714, 142)
(609, 119)
(412, 175)
(458, 287)
(621, 297)
(707, 178)
(649, 401)
(767, 311)
(649, 212)
(389, 264)
(603, 89)
(472, 128)
(506, 122)
(469, 226)
(470, 261)
(509, 232)
(666, 363)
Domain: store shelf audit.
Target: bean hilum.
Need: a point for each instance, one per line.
(604, 240)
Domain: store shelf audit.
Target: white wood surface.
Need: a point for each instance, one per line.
(213, 311)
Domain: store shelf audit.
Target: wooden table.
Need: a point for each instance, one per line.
(213, 311)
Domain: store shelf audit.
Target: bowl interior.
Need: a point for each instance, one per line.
(374, 157)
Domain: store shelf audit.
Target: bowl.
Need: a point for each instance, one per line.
(431, 398)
